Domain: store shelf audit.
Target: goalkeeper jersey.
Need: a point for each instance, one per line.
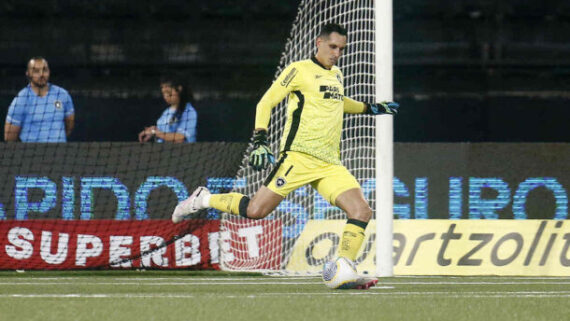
(314, 109)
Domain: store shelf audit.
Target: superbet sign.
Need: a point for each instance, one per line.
(194, 244)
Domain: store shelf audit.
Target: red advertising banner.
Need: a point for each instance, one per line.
(74, 244)
(253, 244)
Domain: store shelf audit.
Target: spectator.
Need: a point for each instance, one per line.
(41, 112)
(177, 123)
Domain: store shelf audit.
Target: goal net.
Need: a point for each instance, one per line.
(108, 205)
(304, 231)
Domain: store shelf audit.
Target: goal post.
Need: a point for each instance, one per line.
(384, 138)
(304, 231)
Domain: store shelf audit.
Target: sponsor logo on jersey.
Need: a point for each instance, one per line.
(318, 76)
(58, 104)
(331, 92)
(287, 80)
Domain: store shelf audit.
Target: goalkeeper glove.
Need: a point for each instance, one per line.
(385, 107)
(261, 155)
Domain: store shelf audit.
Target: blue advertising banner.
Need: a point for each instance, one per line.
(126, 181)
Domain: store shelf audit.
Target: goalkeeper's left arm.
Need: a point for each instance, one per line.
(352, 106)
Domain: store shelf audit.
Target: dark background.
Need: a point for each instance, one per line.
(477, 70)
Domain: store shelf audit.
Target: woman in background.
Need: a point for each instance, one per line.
(177, 124)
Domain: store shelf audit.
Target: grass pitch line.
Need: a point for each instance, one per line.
(99, 295)
(243, 279)
(395, 279)
(168, 296)
(160, 283)
(476, 283)
(184, 296)
(480, 277)
(479, 294)
(410, 279)
(399, 294)
(238, 281)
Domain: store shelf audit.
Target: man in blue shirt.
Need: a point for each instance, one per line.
(41, 112)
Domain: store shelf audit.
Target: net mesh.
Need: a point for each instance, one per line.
(108, 205)
(281, 231)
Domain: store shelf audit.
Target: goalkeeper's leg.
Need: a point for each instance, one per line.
(263, 203)
(359, 213)
(341, 189)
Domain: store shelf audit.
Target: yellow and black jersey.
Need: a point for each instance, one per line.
(315, 108)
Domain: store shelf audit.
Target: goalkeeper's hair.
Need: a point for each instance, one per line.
(329, 28)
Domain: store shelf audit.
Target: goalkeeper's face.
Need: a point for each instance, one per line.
(330, 48)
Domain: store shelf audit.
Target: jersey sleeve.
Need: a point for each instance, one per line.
(69, 109)
(188, 124)
(283, 85)
(15, 114)
(352, 106)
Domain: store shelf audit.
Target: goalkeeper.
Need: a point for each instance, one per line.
(310, 145)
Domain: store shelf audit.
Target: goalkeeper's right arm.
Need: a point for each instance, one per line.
(281, 87)
(261, 155)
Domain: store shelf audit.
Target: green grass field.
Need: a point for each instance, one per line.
(156, 295)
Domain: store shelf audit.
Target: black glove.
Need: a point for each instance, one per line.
(385, 107)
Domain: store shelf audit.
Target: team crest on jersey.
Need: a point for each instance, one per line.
(58, 104)
(280, 182)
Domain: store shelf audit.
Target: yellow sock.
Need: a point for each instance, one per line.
(229, 203)
(352, 238)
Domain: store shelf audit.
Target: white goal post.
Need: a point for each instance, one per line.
(384, 139)
(304, 231)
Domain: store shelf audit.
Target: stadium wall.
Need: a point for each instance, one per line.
(113, 202)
